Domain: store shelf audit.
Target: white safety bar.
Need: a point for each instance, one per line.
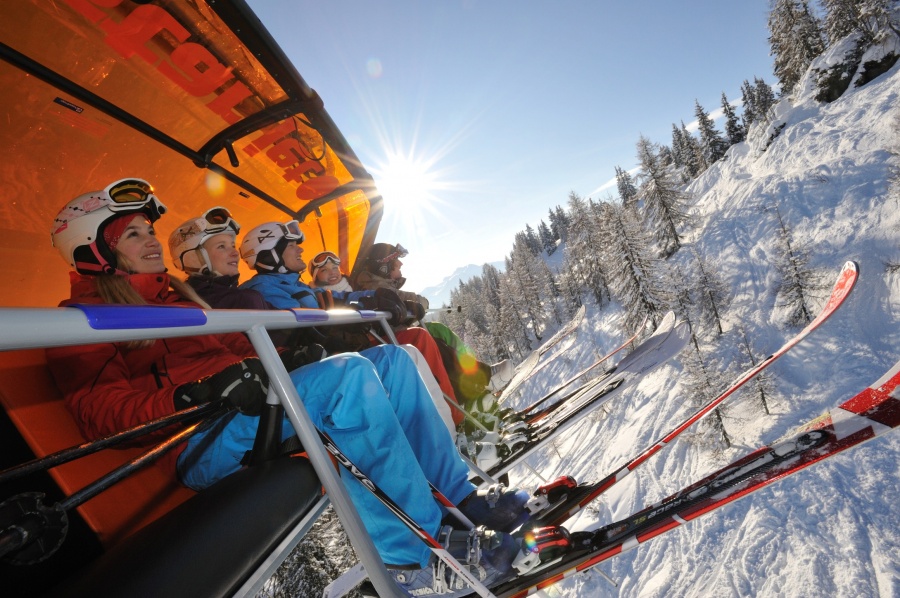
(30, 328)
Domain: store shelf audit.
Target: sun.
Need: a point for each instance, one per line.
(406, 182)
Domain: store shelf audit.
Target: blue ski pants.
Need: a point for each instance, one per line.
(380, 415)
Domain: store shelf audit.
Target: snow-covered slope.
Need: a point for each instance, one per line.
(831, 530)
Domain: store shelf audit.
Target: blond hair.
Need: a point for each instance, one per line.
(114, 288)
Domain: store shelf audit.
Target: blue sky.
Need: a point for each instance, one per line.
(476, 117)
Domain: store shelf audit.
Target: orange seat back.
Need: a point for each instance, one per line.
(33, 403)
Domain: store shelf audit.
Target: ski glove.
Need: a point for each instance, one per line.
(243, 385)
(416, 310)
(386, 300)
(301, 356)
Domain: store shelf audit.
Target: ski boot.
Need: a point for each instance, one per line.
(497, 507)
(485, 455)
(550, 494)
(541, 547)
(487, 554)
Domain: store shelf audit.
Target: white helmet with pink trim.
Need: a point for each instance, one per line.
(77, 231)
(186, 241)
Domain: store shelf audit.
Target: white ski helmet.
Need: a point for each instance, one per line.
(186, 241)
(77, 231)
(263, 245)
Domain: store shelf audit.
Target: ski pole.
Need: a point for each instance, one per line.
(82, 450)
(435, 546)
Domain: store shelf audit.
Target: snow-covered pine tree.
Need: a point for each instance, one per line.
(663, 201)
(711, 295)
(734, 130)
(548, 243)
(524, 278)
(693, 154)
(569, 288)
(765, 99)
(841, 19)
(795, 39)
(491, 301)
(798, 283)
(711, 142)
(748, 98)
(678, 151)
(763, 387)
(875, 19)
(634, 270)
(534, 243)
(512, 325)
(562, 223)
(583, 248)
(701, 383)
(626, 188)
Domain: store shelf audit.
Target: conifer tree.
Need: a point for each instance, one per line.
(548, 243)
(763, 387)
(734, 130)
(534, 243)
(701, 383)
(663, 202)
(711, 142)
(795, 40)
(798, 284)
(678, 150)
(711, 293)
(583, 248)
(563, 219)
(748, 99)
(554, 224)
(765, 98)
(525, 280)
(841, 19)
(693, 154)
(635, 273)
(512, 324)
(625, 185)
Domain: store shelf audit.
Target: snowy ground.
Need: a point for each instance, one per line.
(830, 530)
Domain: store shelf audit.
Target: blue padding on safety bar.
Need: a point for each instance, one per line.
(124, 317)
(368, 314)
(310, 315)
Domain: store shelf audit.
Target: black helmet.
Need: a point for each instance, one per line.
(380, 256)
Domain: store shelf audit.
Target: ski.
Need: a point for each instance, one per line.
(526, 369)
(659, 336)
(665, 326)
(871, 413)
(570, 327)
(648, 356)
(583, 494)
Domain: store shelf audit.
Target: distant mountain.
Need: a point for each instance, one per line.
(439, 294)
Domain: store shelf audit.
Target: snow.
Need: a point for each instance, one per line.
(831, 529)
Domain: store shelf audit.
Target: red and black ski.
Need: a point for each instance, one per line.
(578, 497)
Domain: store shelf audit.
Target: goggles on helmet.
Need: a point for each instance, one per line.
(324, 257)
(212, 222)
(291, 231)
(398, 252)
(128, 192)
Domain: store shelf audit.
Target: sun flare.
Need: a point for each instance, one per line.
(406, 182)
